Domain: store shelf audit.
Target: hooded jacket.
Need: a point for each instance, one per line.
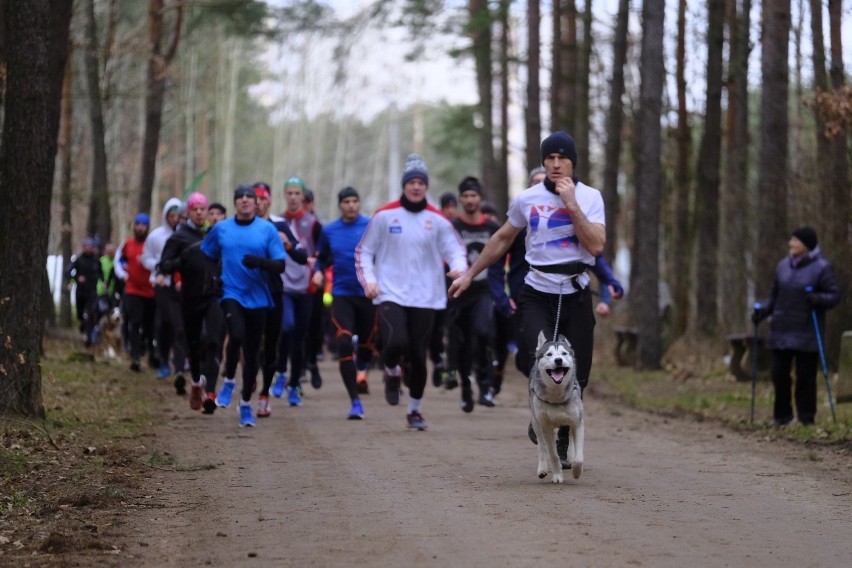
(156, 241)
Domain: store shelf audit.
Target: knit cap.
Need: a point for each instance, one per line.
(142, 219)
(415, 168)
(470, 183)
(295, 181)
(559, 143)
(808, 237)
(196, 199)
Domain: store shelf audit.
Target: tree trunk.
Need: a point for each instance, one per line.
(65, 142)
(774, 124)
(709, 162)
(614, 122)
(100, 222)
(563, 86)
(532, 112)
(155, 89)
(683, 236)
(645, 296)
(839, 243)
(500, 195)
(737, 199)
(479, 30)
(582, 96)
(36, 51)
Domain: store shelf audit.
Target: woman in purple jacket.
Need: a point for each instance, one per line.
(804, 281)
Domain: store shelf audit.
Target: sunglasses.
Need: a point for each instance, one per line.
(245, 193)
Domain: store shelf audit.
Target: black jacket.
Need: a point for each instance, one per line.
(200, 275)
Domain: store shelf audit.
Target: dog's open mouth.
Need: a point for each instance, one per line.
(557, 374)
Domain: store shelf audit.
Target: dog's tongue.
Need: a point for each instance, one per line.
(557, 375)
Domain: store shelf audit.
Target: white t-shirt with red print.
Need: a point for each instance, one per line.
(551, 238)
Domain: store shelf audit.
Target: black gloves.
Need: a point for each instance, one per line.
(252, 261)
(759, 314)
(812, 298)
(268, 264)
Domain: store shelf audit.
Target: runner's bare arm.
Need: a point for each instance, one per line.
(496, 247)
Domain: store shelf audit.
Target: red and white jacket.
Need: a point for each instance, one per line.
(404, 254)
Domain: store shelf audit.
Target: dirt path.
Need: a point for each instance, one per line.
(307, 487)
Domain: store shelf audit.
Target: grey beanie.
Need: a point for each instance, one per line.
(415, 168)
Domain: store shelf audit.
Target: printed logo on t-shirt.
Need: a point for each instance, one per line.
(428, 224)
(394, 229)
(551, 227)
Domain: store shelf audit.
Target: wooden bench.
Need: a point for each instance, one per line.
(741, 361)
(625, 345)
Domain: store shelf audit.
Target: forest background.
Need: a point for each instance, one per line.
(712, 129)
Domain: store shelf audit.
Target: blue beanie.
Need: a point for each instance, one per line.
(142, 219)
(559, 143)
(415, 168)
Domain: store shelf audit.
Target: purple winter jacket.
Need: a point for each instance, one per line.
(792, 325)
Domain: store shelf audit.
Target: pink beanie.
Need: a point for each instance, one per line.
(195, 199)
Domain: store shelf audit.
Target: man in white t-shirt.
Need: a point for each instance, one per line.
(564, 219)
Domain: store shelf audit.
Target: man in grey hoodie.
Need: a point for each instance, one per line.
(169, 324)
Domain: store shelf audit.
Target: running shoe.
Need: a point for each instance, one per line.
(316, 379)
(196, 394)
(263, 409)
(135, 366)
(293, 396)
(180, 383)
(361, 382)
(416, 421)
(280, 384)
(486, 398)
(391, 389)
(246, 415)
(226, 392)
(466, 401)
(357, 411)
(451, 381)
(163, 372)
(562, 442)
(438, 374)
(209, 404)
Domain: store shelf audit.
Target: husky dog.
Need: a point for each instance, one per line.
(555, 401)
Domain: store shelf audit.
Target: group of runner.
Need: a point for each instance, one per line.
(251, 286)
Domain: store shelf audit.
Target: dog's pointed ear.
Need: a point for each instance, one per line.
(541, 340)
(563, 338)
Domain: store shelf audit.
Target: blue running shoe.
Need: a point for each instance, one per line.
(246, 416)
(357, 411)
(225, 394)
(277, 389)
(293, 396)
(164, 372)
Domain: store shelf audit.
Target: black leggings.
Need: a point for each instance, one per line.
(405, 335)
(204, 325)
(470, 323)
(245, 328)
(353, 315)
(271, 333)
(140, 324)
(576, 323)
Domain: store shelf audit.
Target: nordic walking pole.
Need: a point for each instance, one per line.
(810, 289)
(757, 308)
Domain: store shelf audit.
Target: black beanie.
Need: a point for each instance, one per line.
(808, 237)
(347, 192)
(470, 183)
(415, 168)
(559, 143)
(448, 199)
(244, 190)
